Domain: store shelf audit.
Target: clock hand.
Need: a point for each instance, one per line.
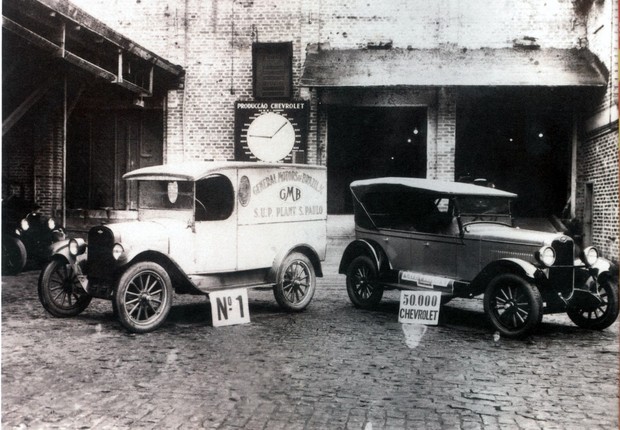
(281, 127)
(258, 135)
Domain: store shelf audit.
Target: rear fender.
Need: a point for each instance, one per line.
(305, 249)
(505, 265)
(363, 247)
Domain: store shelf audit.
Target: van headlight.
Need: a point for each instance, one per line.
(24, 224)
(51, 223)
(546, 256)
(74, 247)
(117, 251)
(589, 256)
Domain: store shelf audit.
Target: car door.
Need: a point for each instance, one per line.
(215, 225)
(436, 240)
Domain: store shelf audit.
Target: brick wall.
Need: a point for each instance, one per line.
(597, 153)
(213, 40)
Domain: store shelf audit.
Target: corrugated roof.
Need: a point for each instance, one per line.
(434, 186)
(465, 67)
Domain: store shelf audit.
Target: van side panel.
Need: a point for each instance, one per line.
(278, 209)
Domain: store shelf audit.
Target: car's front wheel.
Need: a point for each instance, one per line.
(362, 286)
(60, 291)
(513, 305)
(602, 315)
(143, 297)
(13, 255)
(296, 283)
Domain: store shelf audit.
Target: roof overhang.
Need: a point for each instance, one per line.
(66, 32)
(548, 67)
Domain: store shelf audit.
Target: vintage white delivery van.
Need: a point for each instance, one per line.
(202, 227)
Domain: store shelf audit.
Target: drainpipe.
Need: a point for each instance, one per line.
(573, 166)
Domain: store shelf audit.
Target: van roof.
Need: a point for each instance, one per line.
(433, 186)
(195, 170)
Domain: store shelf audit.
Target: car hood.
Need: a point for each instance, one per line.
(151, 231)
(502, 233)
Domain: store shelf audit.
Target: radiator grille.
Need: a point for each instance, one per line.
(100, 261)
(563, 252)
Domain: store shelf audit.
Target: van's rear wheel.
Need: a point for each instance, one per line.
(296, 283)
(143, 297)
(513, 305)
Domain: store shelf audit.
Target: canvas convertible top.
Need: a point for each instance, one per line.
(443, 188)
(193, 171)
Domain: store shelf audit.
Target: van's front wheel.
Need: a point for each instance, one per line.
(296, 283)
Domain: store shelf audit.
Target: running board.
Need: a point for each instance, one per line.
(207, 283)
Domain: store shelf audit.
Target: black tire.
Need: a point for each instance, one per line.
(362, 288)
(513, 305)
(605, 314)
(295, 283)
(143, 297)
(60, 291)
(13, 255)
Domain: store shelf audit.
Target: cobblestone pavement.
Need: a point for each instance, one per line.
(330, 367)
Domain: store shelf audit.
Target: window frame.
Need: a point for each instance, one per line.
(275, 47)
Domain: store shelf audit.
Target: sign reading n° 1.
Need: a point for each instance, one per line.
(271, 131)
(229, 307)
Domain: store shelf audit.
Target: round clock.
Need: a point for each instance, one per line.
(271, 137)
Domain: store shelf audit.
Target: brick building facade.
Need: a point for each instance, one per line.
(573, 121)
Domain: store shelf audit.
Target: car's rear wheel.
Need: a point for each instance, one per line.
(13, 255)
(296, 283)
(604, 314)
(60, 291)
(513, 305)
(143, 297)
(362, 286)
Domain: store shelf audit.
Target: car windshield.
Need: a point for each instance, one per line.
(168, 195)
(475, 208)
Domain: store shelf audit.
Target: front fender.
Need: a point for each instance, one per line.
(61, 249)
(505, 265)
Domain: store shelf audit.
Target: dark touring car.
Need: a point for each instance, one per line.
(459, 239)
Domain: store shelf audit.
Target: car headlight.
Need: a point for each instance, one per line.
(18, 232)
(51, 223)
(74, 248)
(117, 251)
(546, 255)
(24, 224)
(589, 256)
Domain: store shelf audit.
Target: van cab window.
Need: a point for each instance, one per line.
(215, 198)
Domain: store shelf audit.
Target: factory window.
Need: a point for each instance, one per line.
(272, 65)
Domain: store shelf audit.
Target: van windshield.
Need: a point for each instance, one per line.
(169, 195)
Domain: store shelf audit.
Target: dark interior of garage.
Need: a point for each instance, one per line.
(370, 142)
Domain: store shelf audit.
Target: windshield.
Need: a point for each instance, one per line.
(474, 208)
(168, 195)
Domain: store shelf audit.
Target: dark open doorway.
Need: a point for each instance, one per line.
(370, 142)
(520, 140)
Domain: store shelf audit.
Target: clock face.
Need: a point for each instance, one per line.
(271, 137)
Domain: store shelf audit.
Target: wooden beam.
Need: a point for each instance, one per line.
(25, 106)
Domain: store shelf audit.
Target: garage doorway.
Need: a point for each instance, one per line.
(521, 141)
(370, 142)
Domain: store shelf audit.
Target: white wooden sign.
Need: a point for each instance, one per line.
(419, 307)
(229, 307)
